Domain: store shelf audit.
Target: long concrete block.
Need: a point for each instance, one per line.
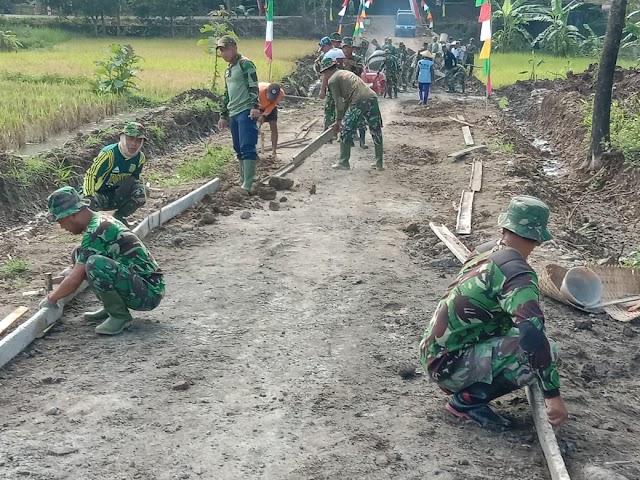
(21, 337)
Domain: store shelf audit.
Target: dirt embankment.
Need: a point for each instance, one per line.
(25, 183)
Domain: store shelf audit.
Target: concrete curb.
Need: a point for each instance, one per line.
(21, 337)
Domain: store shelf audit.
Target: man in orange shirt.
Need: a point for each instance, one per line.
(270, 96)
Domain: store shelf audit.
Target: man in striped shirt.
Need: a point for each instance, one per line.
(113, 181)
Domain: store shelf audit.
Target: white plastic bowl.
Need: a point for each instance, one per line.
(582, 286)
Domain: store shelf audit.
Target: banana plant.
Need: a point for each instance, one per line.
(631, 32)
(560, 38)
(9, 42)
(513, 17)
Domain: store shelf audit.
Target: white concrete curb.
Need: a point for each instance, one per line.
(21, 337)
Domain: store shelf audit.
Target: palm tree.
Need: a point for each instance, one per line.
(559, 37)
(513, 18)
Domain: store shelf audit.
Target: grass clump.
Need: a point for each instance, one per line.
(37, 37)
(624, 127)
(14, 267)
(30, 171)
(500, 146)
(211, 163)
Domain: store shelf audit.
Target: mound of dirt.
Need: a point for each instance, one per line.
(302, 78)
(186, 118)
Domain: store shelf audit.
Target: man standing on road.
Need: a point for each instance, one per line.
(271, 94)
(113, 180)
(390, 68)
(471, 55)
(354, 63)
(487, 336)
(117, 265)
(356, 103)
(425, 76)
(240, 107)
(453, 72)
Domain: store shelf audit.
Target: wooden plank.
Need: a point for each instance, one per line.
(451, 241)
(461, 122)
(462, 153)
(12, 318)
(466, 133)
(310, 149)
(546, 435)
(476, 176)
(465, 209)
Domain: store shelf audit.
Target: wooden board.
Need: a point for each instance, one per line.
(476, 176)
(466, 133)
(546, 435)
(461, 122)
(463, 223)
(310, 149)
(451, 241)
(11, 318)
(462, 153)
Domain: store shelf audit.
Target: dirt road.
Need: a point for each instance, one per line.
(277, 351)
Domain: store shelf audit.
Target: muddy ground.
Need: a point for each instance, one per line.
(277, 350)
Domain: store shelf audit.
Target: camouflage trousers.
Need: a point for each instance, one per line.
(329, 110)
(484, 361)
(455, 75)
(125, 197)
(392, 82)
(359, 114)
(139, 293)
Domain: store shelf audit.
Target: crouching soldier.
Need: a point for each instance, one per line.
(115, 262)
(113, 181)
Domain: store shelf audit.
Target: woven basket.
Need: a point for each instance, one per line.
(617, 282)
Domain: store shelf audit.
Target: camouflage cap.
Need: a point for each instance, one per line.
(527, 217)
(65, 202)
(135, 130)
(226, 41)
(327, 63)
(347, 41)
(335, 37)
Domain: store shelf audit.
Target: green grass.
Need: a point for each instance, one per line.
(14, 267)
(211, 163)
(28, 171)
(500, 146)
(32, 38)
(506, 67)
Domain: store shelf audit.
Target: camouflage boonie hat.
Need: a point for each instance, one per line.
(327, 63)
(226, 41)
(347, 42)
(335, 37)
(65, 202)
(135, 130)
(527, 217)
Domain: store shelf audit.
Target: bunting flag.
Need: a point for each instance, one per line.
(414, 8)
(268, 48)
(485, 36)
(429, 16)
(341, 14)
(260, 10)
(358, 29)
(444, 8)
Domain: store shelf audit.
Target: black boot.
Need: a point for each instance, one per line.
(472, 403)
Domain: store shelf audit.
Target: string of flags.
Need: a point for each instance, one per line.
(428, 12)
(268, 46)
(341, 14)
(485, 36)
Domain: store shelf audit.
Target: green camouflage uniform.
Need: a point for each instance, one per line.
(457, 74)
(358, 69)
(390, 68)
(489, 324)
(116, 259)
(329, 104)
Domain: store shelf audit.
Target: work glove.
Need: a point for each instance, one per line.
(46, 303)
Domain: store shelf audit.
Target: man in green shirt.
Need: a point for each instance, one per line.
(117, 265)
(487, 336)
(240, 107)
(113, 180)
(356, 104)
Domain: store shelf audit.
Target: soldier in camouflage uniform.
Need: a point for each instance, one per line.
(117, 265)
(487, 336)
(355, 103)
(390, 68)
(113, 180)
(354, 63)
(404, 66)
(329, 105)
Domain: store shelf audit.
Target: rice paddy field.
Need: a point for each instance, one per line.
(507, 68)
(46, 91)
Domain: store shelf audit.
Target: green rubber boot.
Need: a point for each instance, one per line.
(241, 178)
(379, 164)
(119, 316)
(97, 316)
(249, 171)
(345, 155)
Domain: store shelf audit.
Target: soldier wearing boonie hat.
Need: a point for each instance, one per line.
(487, 335)
(270, 96)
(336, 39)
(110, 257)
(113, 180)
